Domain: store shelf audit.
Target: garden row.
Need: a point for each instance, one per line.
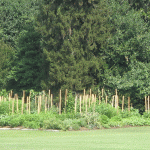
(39, 110)
(104, 116)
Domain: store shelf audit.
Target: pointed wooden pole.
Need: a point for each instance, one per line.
(106, 99)
(17, 102)
(80, 103)
(48, 101)
(145, 103)
(51, 100)
(35, 101)
(45, 104)
(129, 104)
(122, 103)
(66, 93)
(27, 104)
(75, 107)
(22, 105)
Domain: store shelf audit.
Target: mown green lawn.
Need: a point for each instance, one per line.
(134, 138)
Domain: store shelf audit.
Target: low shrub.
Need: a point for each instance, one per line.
(106, 109)
(75, 127)
(104, 119)
(53, 123)
(4, 120)
(106, 126)
(146, 115)
(31, 125)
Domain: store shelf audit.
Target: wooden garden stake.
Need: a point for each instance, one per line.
(106, 99)
(90, 97)
(59, 102)
(94, 102)
(80, 103)
(45, 104)
(22, 105)
(66, 92)
(35, 101)
(51, 100)
(27, 103)
(89, 102)
(83, 102)
(17, 101)
(49, 96)
(24, 94)
(90, 93)
(116, 101)
(145, 104)
(116, 91)
(84, 99)
(129, 104)
(122, 103)
(75, 107)
(38, 104)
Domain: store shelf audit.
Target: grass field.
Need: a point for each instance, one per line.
(134, 138)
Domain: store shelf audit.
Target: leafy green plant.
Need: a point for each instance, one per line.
(104, 119)
(70, 103)
(106, 109)
(31, 124)
(53, 123)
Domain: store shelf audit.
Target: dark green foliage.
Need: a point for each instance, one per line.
(70, 103)
(127, 53)
(106, 109)
(104, 119)
(73, 36)
(6, 60)
(14, 16)
(52, 123)
(28, 69)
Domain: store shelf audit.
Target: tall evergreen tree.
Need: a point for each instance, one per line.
(74, 35)
(6, 59)
(28, 68)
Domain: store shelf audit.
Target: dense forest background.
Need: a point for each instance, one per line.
(76, 45)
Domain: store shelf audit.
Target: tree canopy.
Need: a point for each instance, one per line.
(76, 44)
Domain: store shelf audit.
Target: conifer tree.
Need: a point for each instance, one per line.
(74, 34)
